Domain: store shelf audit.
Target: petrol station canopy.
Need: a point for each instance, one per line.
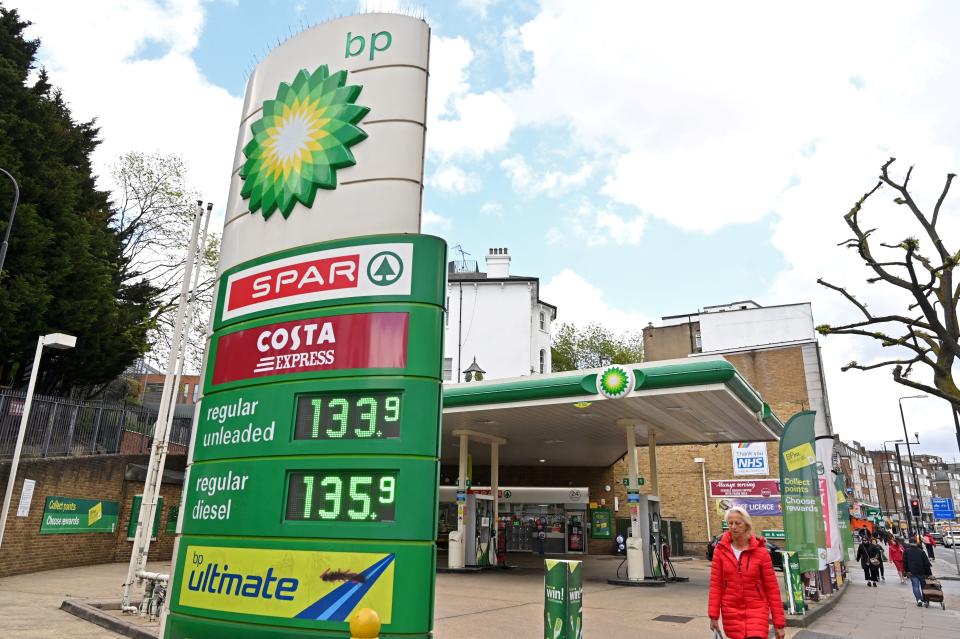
(563, 419)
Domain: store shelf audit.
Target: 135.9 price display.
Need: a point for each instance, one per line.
(342, 495)
(373, 415)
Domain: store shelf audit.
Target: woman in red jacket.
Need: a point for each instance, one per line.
(896, 556)
(743, 586)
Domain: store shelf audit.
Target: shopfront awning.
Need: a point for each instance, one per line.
(562, 419)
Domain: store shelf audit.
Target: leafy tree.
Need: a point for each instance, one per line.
(153, 219)
(65, 270)
(926, 332)
(593, 346)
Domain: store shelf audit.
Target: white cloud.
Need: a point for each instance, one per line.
(462, 122)
(163, 104)
(593, 226)
(492, 208)
(478, 6)
(527, 182)
(453, 179)
(580, 302)
(431, 222)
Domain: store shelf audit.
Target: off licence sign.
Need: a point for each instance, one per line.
(744, 488)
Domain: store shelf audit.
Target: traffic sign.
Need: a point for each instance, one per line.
(942, 508)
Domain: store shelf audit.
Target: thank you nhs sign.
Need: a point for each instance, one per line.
(750, 458)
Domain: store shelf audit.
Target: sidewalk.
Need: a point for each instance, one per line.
(510, 604)
(889, 611)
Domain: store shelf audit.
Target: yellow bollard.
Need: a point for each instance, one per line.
(365, 624)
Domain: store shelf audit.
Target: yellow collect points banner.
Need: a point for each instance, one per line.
(288, 584)
(799, 456)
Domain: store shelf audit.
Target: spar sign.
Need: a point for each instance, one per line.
(333, 274)
(312, 484)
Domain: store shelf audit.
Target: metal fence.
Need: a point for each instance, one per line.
(62, 427)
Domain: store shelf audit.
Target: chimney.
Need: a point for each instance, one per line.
(498, 263)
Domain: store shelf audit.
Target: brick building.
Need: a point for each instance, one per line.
(775, 349)
(861, 477)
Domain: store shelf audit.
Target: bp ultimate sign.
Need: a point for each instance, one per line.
(312, 486)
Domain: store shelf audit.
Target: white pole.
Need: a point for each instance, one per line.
(494, 489)
(158, 452)
(706, 502)
(15, 463)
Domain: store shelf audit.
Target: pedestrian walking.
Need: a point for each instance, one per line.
(743, 586)
(870, 558)
(896, 556)
(917, 566)
(929, 542)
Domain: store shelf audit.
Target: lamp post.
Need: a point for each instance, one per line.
(903, 485)
(6, 236)
(706, 503)
(915, 518)
(53, 340)
(906, 437)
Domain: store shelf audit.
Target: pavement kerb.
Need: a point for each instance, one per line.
(819, 611)
(92, 611)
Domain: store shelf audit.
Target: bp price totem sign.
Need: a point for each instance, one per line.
(313, 480)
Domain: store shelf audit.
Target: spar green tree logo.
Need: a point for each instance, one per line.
(303, 137)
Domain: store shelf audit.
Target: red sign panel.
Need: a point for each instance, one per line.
(361, 340)
(302, 278)
(744, 487)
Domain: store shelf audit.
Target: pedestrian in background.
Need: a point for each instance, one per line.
(917, 567)
(929, 542)
(896, 556)
(743, 586)
(870, 559)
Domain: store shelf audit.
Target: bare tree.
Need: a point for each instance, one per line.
(927, 332)
(153, 219)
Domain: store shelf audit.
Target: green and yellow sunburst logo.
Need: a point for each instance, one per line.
(614, 381)
(304, 136)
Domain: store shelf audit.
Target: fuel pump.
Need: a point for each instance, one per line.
(478, 529)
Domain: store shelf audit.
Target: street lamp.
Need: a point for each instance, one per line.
(57, 341)
(916, 482)
(903, 484)
(706, 504)
(6, 235)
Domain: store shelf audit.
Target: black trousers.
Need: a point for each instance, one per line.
(872, 573)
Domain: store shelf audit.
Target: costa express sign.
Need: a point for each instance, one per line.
(362, 340)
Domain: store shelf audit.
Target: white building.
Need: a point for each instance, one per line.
(496, 319)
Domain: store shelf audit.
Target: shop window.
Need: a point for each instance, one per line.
(543, 358)
(543, 326)
(447, 369)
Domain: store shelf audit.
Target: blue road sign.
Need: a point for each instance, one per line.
(942, 508)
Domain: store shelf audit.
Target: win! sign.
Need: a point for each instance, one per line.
(750, 458)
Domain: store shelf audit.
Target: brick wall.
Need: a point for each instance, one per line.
(25, 550)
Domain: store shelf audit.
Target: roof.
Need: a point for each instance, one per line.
(561, 417)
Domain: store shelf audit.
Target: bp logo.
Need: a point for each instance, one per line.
(304, 136)
(614, 381)
(384, 268)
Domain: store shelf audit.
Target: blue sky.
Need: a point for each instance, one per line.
(642, 159)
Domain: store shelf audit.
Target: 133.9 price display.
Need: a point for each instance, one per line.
(342, 495)
(373, 415)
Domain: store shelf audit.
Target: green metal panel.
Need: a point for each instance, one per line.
(265, 418)
(254, 498)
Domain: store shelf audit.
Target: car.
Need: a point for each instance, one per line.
(937, 538)
(773, 549)
(950, 538)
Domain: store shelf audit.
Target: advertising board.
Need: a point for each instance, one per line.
(311, 490)
(750, 458)
(69, 515)
(744, 487)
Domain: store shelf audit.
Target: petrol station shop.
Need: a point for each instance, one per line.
(559, 449)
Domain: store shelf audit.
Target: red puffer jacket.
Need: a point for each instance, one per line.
(744, 592)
